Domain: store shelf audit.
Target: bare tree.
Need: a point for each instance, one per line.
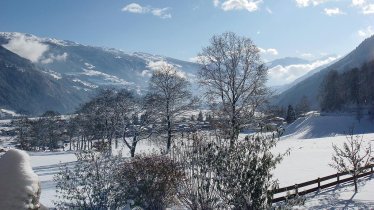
(352, 157)
(234, 77)
(135, 120)
(169, 96)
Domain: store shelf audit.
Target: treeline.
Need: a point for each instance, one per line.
(353, 89)
(113, 116)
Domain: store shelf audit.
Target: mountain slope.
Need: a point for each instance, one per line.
(69, 72)
(93, 66)
(26, 89)
(310, 86)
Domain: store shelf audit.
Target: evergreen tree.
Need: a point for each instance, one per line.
(200, 117)
(291, 115)
(330, 96)
(303, 106)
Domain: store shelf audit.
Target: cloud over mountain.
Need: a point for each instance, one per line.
(26, 47)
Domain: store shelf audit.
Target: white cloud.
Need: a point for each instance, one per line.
(366, 32)
(138, 9)
(249, 5)
(162, 13)
(280, 75)
(135, 8)
(158, 66)
(269, 10)
(146, 73)
(358, 2)
(365, 7)
(306, 3)
(51, 58)
(199, 59)
(26, 47)
(368, 9)
(333, 11)
(307, 55)
(216, 3)
(270, 51)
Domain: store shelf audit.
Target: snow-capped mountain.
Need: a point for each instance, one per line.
(287, 61)
(28, 89)
(86, 68)
(92, 66)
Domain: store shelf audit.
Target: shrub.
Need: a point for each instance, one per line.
(151, 182)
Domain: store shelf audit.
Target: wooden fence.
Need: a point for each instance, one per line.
(295, 189)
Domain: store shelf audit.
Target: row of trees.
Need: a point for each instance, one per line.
(41, 133)
(114, 115)
(353, 88)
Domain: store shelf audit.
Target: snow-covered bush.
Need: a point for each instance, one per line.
(90, 183)
(150, 181)
(19, 185)
(197, 154)
(227, 176)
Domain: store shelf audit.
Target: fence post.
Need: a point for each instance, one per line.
(371, 168)
(337, 177)
(296, 189)
(319, 183)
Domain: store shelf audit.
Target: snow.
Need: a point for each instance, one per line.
(89, 66)
(87, 84)
(107, 77)
(12, 35)
(9, 112)
(53, 74)
(343, 196)
(19, 184)
(310, 142)
(315, 125)
(46, 165)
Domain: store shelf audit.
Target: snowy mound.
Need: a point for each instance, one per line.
(319, 126)
(19, 185)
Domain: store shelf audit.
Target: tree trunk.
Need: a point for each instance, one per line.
(355, 181)
(169, 135)
(234, 127)
(133, 146)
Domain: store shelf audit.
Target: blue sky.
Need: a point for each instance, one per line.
(180, 28)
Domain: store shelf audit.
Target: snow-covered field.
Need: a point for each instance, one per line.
(46, 165)
(310, 140)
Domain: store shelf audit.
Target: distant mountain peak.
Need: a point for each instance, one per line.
(14, 35)
(286, 61)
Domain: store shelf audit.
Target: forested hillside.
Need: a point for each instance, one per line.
(350, 90)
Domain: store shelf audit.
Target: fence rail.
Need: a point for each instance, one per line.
(295, 188)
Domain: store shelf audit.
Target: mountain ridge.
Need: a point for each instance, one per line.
(309, 87)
